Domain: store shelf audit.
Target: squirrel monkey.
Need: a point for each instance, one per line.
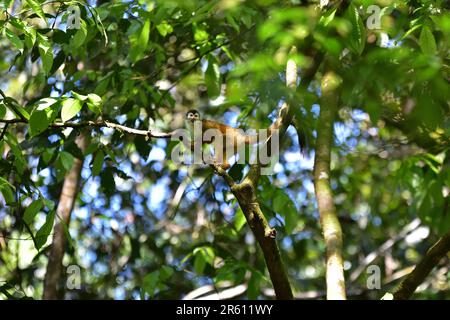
(226, 140)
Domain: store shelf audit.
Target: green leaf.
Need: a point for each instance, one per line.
(66, 160)
(164, 28)
(144, 36)
(79, 37)
(199, 263)
(427, 41)
(19, 161)
(49, 106)
(239, 219)
(70, 108)
(16, 22)
(143, 146)
(374, 110)
(30, 36)
(49, 204)
(139, 44)
(165, 273)
(97, 163)
(232, 22)
(78, 96)
(66, 232)
(200, 35)
(45, 103)
(98, 22)
(2, 110)
(212, 78)
(327, 17)
(37, 8)
(407, 33)
(107, 181)
(207, 256)
(7, 3)
(283, 205)
(38, 122)
(23, 111)
(95, 99)
(7, 190)
(186, 258)
(254, 286)
(150, 282)
(94, 103)
(43, 233)
(32, 210)
(356, 40)
(14, 39)
(102, 86)
(46, 53)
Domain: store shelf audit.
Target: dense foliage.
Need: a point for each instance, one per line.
(146, 227)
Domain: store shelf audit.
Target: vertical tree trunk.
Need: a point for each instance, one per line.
(331, 227)
(69, 191)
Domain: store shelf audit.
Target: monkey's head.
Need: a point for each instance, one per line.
(192, 115)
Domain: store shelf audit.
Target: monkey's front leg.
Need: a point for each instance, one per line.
(222, 160)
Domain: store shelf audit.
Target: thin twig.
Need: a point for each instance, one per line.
(98, 124)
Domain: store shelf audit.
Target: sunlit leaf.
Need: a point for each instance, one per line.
(164, 28)
(239, 219)
(43, 233)
(46, 53)
(14, 39)
(37, 8)
(357, 38)
(70, 108)
(212, 78)
(427, 41)
(139, 43)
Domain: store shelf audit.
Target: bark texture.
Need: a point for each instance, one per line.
(331, 227)
(69, 191)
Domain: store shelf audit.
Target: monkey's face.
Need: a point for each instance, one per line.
(192, 115)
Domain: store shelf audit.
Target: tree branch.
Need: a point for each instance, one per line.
(423, 268)
(98, 124)
(245, 193)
